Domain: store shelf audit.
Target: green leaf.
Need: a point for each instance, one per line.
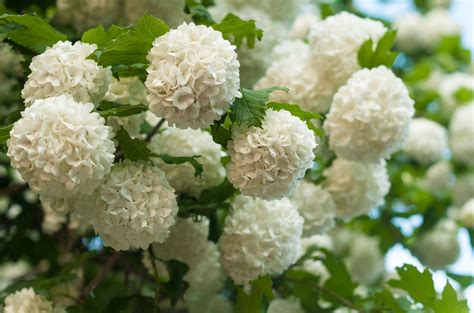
(258, 298)
(340, 280)
(133, 149)
(386, 299)
(198, 12)
(29, 31)
(295, 110)
(122, 110)
(217, 194)
(101, 37)
(176, 286)
(131, 304)
(365, 53)
(169, 159)
(5, 133)
(382, 55)
(449, 302)
(464, 95)
(419, 285)
(236, 30)
(250, 109)
(463, 280)
(132, 46)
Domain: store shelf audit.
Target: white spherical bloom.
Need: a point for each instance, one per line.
(438, 178)
(276, 9)
(27, 301)
(10, 71)
(11, 272)
(267, 162)
(60, 148)
(323, 241)
(193, 76)
(408, 28)
(369, 116)
(170, 12)
(303, 24)
(461, 134)
(52, 220)
(260, 237)
(335, 43)
(356, 187)
(438, 23)
(65, 68)
(365, 261)
(438, 247)
(465, 215)
(83, 15)
(450, 85)
(463, 189)
(316, 206)
(285, 306)
(135, 207)
(426, 142)
(312, 266)
(127, 90)
(189, 142)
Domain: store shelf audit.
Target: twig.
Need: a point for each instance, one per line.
(13, 189)
(155, 129)
(340, 298)
(102, 274)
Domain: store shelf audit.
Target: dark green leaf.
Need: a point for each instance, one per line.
(5, 133)
(198, 12)
(340, 280)
(217, 194)
(131, 304)
(169, 159)
(236, 30)
(133, 149)
(250, 109)
(123, 110)
(449, 302)
(386, 299)
(419, 285)
(295, 110)
(29, 31)
(382, 55)
(101, 37)
(258, 298)
(176, 286)
(463, 280)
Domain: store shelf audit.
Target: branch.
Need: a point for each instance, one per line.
(13, 189)
(155, 130)
(102, 274)
(340, 298)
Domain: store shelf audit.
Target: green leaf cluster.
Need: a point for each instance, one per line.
(237, 30)
(382, 55)
(259, 297)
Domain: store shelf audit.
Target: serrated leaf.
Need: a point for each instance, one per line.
(236, 30)
(419, 285)
(132, 46)
(255, 302)
(340, 280)
(382, 55)
(133, 149)
(122, 110)
(386, 299)
(449, 302)
(5, 133)
(102, 37)
(29, 31)
(305, 116)
(169, 159)
(250, 109)
(198, 12)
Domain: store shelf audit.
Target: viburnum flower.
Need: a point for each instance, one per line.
(439, 177)
(365, 261)
(260, 237)
(61, 148)
(439, 247)
(465, 215)
(170, 12)
(193, 76)
(356, 187)
(312, 265)
(285, 306)
(426, 142)
(127, 90)
(303, 23)
(189, 142)
(408, 32)
(27, 301)
(461, 134)
(463, 189)
(267, 162)
(135, 207)
(65, 68)
(316, 206)
(10, 70)
(450, 85)
(335, 42)
(369, 116)
(277, 9)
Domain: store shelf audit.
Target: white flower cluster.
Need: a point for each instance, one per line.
(303, 23)
(369, 116)
(260, 237)
(335, 42)
(285, 306)
(27, 301)
(170, 12)
(465, 215)
(267, 162)
(135, 207)
(365, 260)
(189, 142)
(65, 69)
(438, 177)
(463, 189)
(314, 266)
(278, 9)
(438, 247)
(316, 206)
(450, 85)
(61, 148)
(461, 134)
(10, 71)
(417, 32)
(193, 76)
(356, 188)
(426, 142)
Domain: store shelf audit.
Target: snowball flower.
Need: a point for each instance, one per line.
(356, 188)
(426, 142)
(83, 15)
(408, 31)
(369, 116)
(65, 68)
(189, 142)
(277, 9)
(438, 247)
(10, 70)
(170, 12)
(461, 134)
(303, 24)
(135, 207)
(267, 162)
(260, 237)
(335, 42)
(463, 189)
(27, 301)
(438, 178)
(365, 261)
(450, 85)
(466, 214)
(60, 147)
(193, 76)
(316, 206)
(285, 306)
